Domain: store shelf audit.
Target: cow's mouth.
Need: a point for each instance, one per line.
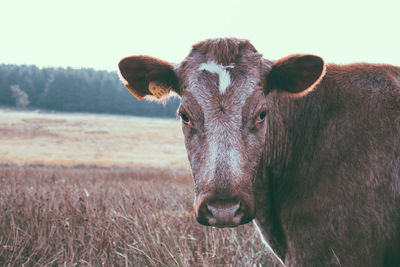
(224, 224)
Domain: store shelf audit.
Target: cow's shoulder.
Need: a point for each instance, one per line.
(365, 76)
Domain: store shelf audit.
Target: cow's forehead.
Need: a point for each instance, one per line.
(220, 75)
(230, 64)
(218, 88)
(221, 85)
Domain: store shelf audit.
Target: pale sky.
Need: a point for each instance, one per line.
(97, 34)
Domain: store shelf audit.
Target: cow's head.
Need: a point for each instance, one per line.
(224, 86)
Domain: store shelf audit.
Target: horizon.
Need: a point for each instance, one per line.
(87, 34)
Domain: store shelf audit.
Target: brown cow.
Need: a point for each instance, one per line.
(311, 151)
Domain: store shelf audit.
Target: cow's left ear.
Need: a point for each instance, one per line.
(296, 75)
(148, 76)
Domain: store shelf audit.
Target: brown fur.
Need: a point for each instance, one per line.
(222, 51)
(320, 173)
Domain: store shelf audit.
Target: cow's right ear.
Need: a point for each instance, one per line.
(148, 76)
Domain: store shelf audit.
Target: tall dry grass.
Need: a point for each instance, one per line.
(91, 216)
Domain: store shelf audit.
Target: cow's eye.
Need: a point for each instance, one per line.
(185, 119)
(261, 116)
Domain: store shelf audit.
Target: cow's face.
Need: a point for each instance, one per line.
(223, 110)
(223, 86)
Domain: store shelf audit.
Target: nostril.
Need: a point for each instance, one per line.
(205, 210)
(204, 214)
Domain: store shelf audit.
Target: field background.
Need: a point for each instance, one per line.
(89, 139)
(102, 190)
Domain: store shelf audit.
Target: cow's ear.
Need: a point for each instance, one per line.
(148, 76)
(296, 75)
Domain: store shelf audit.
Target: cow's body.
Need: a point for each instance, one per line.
(334, 193)
(311, 151)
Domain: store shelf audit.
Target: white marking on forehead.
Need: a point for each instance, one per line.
(224, 77)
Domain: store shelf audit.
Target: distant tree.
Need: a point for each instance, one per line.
(21, 98)
(75, 90)
(6, 98)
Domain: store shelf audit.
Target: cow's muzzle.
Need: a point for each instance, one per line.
(223, 212)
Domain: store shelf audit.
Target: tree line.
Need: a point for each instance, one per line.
(73, 90)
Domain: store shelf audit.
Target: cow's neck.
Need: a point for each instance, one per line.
(290, 141)
(267, 217)
(290, 131)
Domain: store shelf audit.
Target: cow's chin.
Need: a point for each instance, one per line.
(226, 224)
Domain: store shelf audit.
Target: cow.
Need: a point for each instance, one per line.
(309, 150)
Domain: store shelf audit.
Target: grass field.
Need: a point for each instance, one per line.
(63, 201)
(101, 140)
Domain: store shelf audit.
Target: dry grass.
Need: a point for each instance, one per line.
(114, 217)
(106, 140)
(121, 196)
